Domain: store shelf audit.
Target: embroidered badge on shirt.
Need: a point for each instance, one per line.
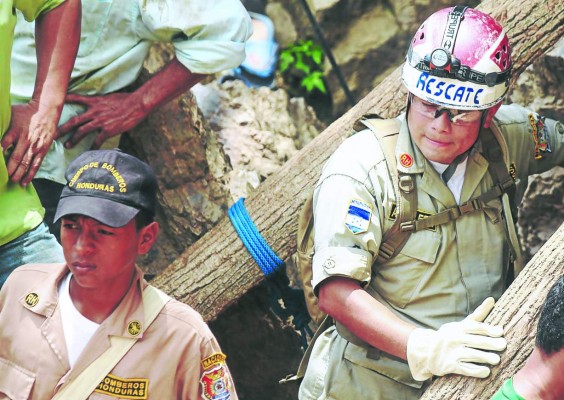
(31, 299)
(215, 379)
(393, 214)
(329, 263)
(422, 215)
(539, 132)
(513, 171)
(114, 386)
(358, 216)
(406, 160)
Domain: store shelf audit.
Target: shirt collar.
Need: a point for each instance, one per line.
(128, 319)
(409, 159)
(43, 298)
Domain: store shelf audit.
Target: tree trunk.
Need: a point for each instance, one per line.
(518, 311)
(216, 270)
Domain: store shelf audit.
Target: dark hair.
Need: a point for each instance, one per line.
(550, 330)
(143, 218)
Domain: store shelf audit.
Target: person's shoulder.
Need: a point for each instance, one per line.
(358, 153)
(30, 276)
(27, 272)
(184, 318)
(512, 114)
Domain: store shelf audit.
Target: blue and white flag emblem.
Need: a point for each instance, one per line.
(358, 216)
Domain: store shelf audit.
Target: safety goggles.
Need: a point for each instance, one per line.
(456, 117)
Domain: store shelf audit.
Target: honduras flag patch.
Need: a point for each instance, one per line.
(358, 216)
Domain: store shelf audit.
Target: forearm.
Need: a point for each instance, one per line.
(57, 38)
(345, 301)
(170, 82)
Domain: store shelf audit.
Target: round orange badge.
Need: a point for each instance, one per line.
(406, 160)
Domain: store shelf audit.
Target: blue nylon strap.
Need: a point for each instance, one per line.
(261, 252)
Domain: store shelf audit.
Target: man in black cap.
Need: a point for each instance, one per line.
(93, 324)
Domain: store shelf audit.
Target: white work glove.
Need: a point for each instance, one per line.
(457, 347)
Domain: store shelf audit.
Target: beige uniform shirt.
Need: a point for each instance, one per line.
(441, 274)
(176, 357)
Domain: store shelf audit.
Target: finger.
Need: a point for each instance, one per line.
(473, 370)
(481, 328)
(99, 140)
(482, 311)
(484, 342)
(80, 134)
(33, 168)
(16, 159)
(74, 123)
(479, 357)
(18, 171)
(77, 98)
(9, 139)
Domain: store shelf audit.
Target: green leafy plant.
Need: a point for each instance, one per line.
(304, 59)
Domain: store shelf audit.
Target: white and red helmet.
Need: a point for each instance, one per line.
(459, 58)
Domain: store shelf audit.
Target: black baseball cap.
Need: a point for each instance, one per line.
(109, 186)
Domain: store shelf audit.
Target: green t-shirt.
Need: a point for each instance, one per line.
(20, 208)
(507, 392)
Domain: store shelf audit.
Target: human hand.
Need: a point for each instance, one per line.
(32, 130)
(109, 115)
(457, 347)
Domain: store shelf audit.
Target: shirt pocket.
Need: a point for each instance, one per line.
(15, 382)
(382, 363)
(400, 279)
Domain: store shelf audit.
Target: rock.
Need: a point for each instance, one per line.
(260, 129)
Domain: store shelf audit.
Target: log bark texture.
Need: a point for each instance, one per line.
(216, 270)
(518, 311)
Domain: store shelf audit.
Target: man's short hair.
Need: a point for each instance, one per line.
(550, 330)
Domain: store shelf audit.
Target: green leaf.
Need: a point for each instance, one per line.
(285, 60)
(314, 81)
(317, 56)
(300, 65)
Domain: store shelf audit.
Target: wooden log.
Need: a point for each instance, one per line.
(216, 270)
(518, 311)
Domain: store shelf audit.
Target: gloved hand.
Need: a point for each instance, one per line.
(457, 347)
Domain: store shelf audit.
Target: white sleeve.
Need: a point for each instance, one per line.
(208, 36)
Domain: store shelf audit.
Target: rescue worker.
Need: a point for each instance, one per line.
(207, 37)
(24, 237)
(541, 377)
(59, 319)
(419, 315)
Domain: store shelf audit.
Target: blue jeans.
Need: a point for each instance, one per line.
(35, 246)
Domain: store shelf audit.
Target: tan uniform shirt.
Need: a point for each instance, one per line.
(441, 274)
(176, 357)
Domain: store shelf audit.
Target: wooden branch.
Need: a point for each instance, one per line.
(518, 311)
(216, 270)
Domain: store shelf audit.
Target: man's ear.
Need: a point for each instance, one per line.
(490, 114)
(147, 237)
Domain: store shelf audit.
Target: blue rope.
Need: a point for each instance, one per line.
(261, 252)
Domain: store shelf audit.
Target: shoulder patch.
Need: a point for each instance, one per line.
(216, 380)
(358, 216)
(539, 132)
